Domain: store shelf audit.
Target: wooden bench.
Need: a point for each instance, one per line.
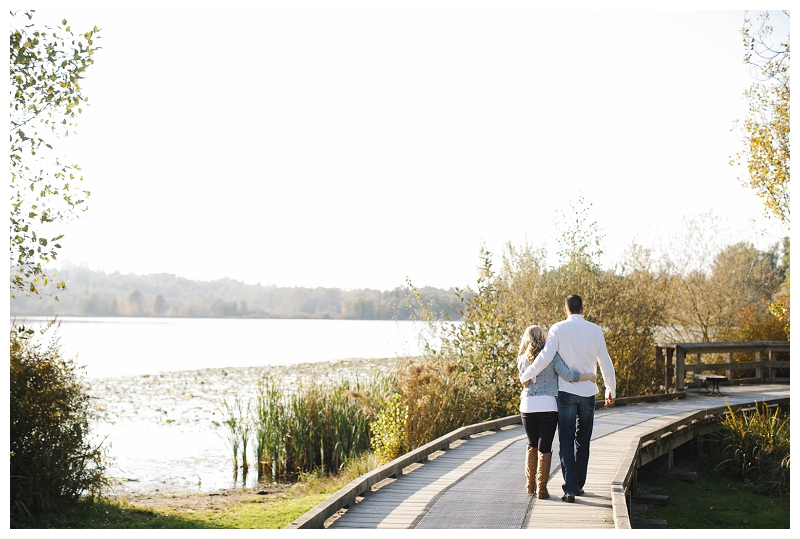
(714, 379)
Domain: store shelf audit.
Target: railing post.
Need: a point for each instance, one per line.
(680, 368)
(729, 359)
(670, 370)
(660, 365)
(759, 370)
(772, 370)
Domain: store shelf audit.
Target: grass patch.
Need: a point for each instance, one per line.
(262, 515)
(712, 502)
(253, 513)
(103, 514)
(256, 514)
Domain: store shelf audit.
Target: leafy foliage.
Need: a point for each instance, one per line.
(756, 448)
(53, 460)
(766, 129)
(465, 375)
(389, 438)
(781, 310)
(780, 306)
(46, 66)
(483, 344)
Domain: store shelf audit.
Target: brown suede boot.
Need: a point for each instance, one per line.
(530, 469)
(544, 475)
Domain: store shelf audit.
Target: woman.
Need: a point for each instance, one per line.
(538, 408)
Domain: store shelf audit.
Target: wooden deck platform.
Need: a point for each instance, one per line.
(478, 483)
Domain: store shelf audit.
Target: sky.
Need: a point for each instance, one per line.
(360, 144)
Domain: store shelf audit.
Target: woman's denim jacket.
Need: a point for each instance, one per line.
(546, 382)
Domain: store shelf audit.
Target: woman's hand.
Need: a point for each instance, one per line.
(592, 377)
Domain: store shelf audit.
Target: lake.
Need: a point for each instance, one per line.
(124, 346)
(157, 383)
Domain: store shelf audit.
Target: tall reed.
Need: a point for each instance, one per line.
(320, 425)
(269, 427)
(244, 431)
(237, 423)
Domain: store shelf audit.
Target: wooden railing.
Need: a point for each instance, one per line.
(661, 441)
(765, 370)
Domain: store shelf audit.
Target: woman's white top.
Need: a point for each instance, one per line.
(538, 403)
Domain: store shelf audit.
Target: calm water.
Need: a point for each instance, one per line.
(163, 439)
(123, 346)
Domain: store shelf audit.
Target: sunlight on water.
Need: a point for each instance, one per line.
(150, 458)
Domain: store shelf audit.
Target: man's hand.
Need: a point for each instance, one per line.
(610, 400)
(526, 383)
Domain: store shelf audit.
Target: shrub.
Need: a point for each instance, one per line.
(755, 447)
(441, 397)
(389, 438)
(53, 461)
(468, 372)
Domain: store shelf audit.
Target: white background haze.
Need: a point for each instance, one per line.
(354, 144)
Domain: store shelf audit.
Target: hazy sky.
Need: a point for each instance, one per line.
(359, 145)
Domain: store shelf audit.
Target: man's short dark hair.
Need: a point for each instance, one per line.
(574, 304)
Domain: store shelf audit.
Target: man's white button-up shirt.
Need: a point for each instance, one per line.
(581, 344)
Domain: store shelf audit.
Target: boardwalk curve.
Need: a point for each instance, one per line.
(473, 478)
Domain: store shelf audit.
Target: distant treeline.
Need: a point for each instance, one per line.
(95, 293)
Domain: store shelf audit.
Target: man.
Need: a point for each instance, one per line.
(581, 345)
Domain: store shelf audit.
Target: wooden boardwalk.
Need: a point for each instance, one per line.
(478, 483)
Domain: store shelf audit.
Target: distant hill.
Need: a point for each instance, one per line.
(95, 293)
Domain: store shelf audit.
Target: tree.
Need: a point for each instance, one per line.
(135, 304)
(46, 66)
(766, 129)
(712, 278)
(160, 305)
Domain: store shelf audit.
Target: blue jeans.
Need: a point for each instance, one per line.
(575, 422)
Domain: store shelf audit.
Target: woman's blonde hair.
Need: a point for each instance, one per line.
(533, 340)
